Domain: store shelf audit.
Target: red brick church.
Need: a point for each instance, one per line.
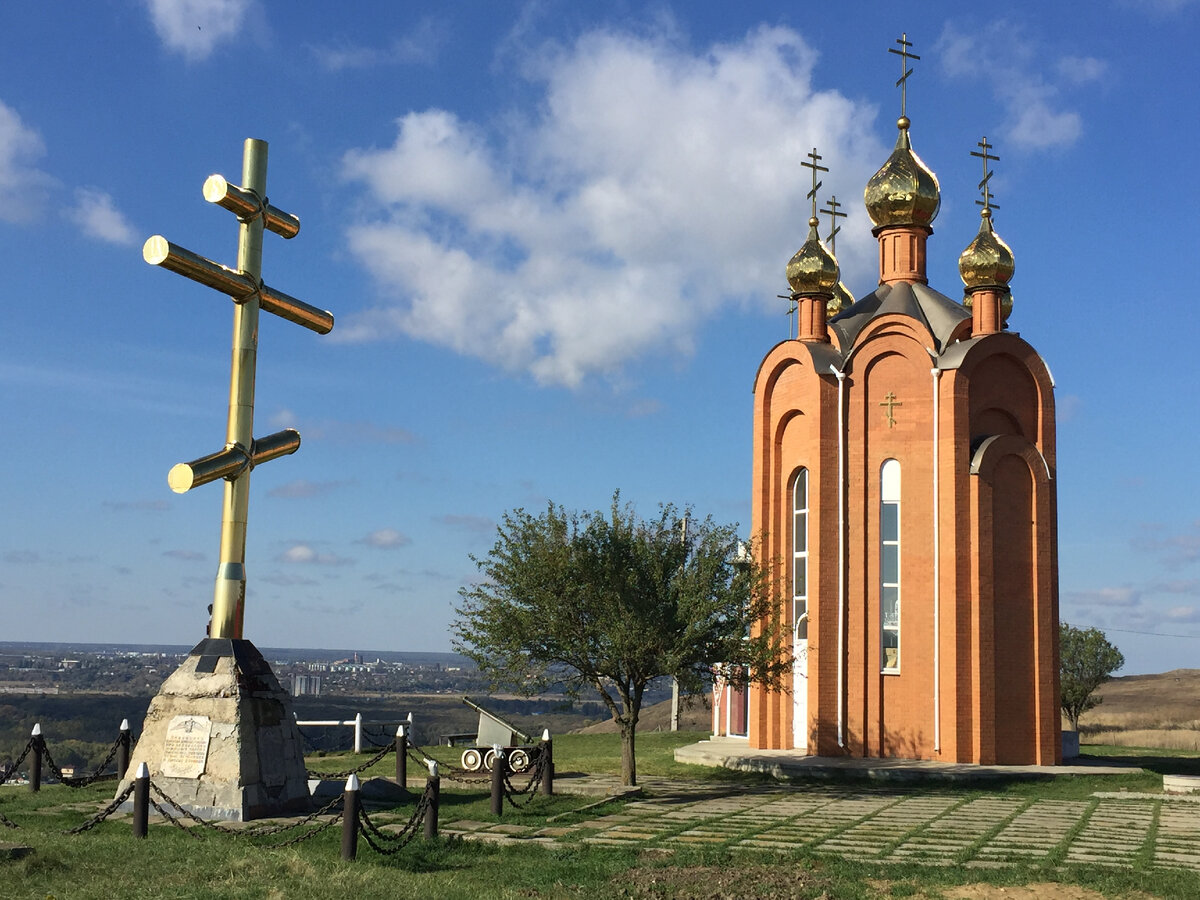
(904, 494)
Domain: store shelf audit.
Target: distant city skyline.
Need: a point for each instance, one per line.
(552, 235)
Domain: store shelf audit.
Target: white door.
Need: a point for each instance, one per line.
(800, 684)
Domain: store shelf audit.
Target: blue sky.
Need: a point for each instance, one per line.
(552, 234)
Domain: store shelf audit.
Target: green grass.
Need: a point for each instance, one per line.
(107, 862)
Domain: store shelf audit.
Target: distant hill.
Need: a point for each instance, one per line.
(694, 715)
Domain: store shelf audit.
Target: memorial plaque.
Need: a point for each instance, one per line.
(186, 749)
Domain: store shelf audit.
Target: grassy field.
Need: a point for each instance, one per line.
(107, 862)
(1147, 711)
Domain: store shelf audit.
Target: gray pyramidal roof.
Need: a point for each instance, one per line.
(938, 312)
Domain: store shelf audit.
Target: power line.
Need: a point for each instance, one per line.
(1193, 637)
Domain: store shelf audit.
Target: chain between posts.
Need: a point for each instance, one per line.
(535, 781)
(11, 770)
(83, 780)
(246, 832)
(402, 838)
(174, 820)
(418, 755)
(104, 813)
(7, 822)
(370, 762)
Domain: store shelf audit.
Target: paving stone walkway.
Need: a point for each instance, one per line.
(921, 825)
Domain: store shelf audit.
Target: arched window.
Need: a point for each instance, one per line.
(800, 554)
(889, 564)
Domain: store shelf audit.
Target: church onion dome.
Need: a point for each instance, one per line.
(841, 301)
(904, 191)
(812, 270)
(987, 261)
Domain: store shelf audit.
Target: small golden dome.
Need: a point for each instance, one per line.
(841, 301)
(904, 191)
(812, 270)
(987, 261)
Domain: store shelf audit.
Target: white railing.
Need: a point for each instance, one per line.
(357, 723)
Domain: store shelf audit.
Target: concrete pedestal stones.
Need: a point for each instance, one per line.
(220, 738)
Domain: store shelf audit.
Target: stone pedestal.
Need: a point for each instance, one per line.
(220, 738)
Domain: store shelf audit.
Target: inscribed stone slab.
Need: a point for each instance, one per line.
(186, 749)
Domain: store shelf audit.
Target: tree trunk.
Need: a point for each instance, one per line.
(628, 760)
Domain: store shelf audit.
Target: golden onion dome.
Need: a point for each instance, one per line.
(904, 191)
(841, 301)
(812, 270)
(987, 261)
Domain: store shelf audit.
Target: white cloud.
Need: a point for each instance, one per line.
(21, 182)
(1020, 78)
(386, 539)
(195, 27)
(652, 186)
(420, 45)
(95, 212)
(306, 554)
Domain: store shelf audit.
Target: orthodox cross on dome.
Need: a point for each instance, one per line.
(832, 210)
(984, 186)
(890, 401)
(812, 195)
(905, 56)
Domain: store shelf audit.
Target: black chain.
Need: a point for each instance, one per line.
(534, 781)
(83, 780)
(20, 759)
(247, 832)
(374, 743)
(104, 813)
(7, 822)
(458, 773)
(370, 762)
(401, 838)
(308, 834)
(175, 821)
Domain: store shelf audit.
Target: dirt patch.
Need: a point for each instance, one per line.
(723, 883)
(789, 882)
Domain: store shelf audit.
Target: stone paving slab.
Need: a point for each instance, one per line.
(926, 826)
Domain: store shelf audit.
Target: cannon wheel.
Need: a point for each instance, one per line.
(489, 759)
(471, 760)
(518, 759)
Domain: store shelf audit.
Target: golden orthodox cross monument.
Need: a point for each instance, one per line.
(220, 738)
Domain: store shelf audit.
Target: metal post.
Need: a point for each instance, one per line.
(350, 810)
(401, 757)
(674, 704)
(547, 764)
(124, 745)
(229, 595)
(434, 786)
(39, 747)
(358, 737)
(498, 763)
(141, 802)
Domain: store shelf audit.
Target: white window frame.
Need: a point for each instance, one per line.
(889, 496)
(800, 552)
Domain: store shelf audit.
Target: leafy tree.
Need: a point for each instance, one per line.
(1087, 660)
(610, 601)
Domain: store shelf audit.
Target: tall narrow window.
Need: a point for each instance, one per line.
(800, 554)
(889, 564)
